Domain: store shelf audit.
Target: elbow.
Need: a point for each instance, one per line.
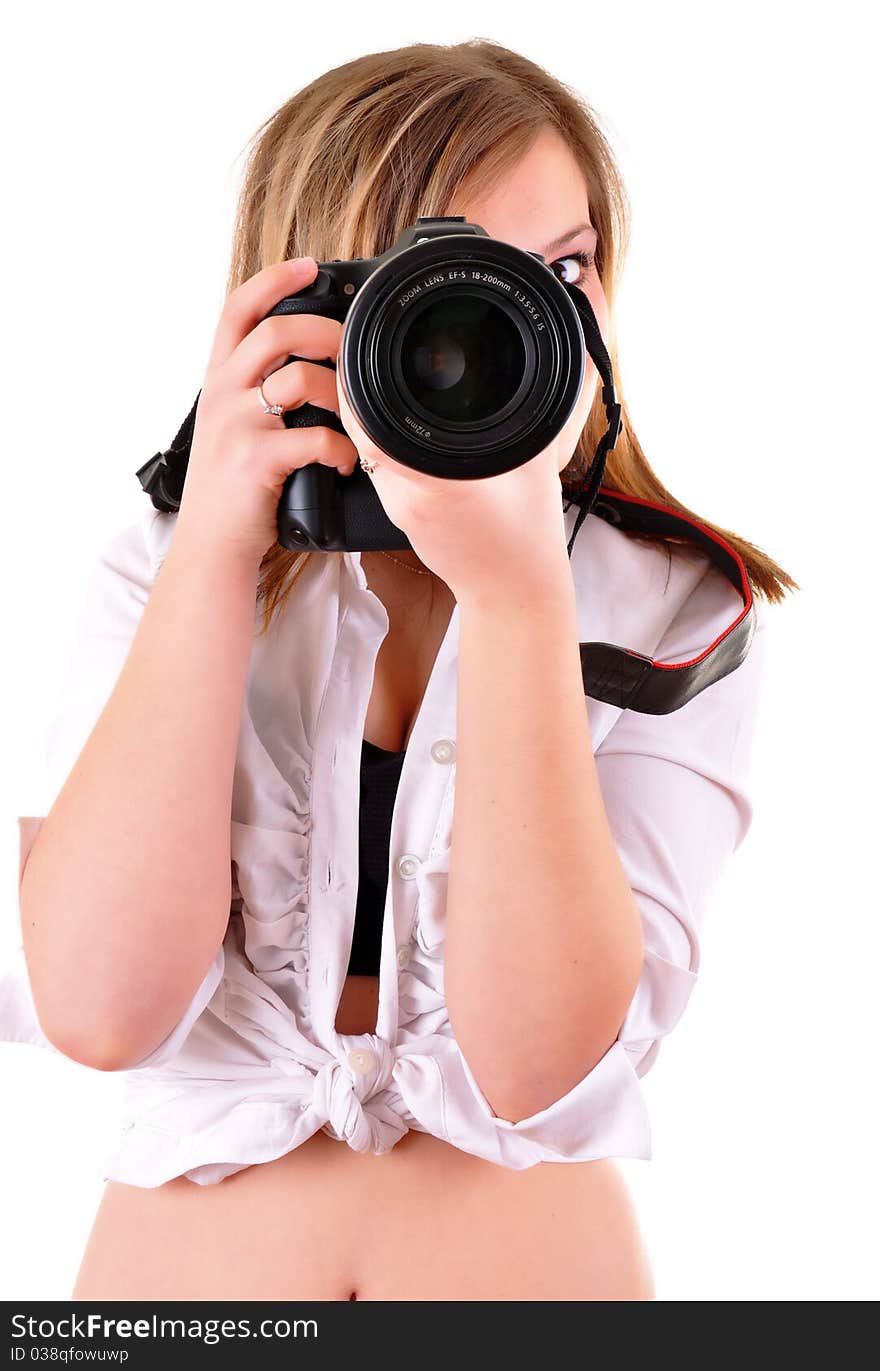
(74, 1027)
(108, 1059)
(98, 1042)
(101, 1054)
(81, 1031)
(101, 1048)
(102, 1051)
(579, 1051)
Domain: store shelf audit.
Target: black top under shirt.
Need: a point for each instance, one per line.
(380, 774)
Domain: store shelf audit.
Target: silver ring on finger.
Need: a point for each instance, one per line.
(367, 466)
(267, 408)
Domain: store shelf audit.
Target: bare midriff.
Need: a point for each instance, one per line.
(424, 1221)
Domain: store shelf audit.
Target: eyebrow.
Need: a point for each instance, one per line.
(565, 237)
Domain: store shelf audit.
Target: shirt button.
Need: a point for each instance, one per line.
(443, 750)
(407, 865)
(403, 956)
(361, 1061)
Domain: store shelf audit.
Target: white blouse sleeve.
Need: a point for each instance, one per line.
(116, 593)
(675, 789)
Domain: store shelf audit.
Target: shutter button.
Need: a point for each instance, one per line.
(361, 1061)
(407, 865)
(443, 750)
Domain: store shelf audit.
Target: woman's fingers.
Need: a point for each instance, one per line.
(287, 450)
(272, 341)
(299, 383)
(253, 299)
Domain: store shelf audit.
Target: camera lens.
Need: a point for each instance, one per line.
(461, 357)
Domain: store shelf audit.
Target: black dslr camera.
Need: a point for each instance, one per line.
(462, 356)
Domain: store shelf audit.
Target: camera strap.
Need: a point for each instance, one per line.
(621, 676)
(618, 675)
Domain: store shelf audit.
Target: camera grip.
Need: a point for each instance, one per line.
(320, 509)
(309, 496)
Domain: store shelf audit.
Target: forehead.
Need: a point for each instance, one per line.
(538, 198)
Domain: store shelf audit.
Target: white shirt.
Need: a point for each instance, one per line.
(255, 1066)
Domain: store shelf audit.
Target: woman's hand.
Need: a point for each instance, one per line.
(240, 457)
(489, 537)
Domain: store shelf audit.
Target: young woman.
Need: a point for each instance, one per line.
(400, 1060)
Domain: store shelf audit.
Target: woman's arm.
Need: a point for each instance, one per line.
(125, 894)
(544, 941)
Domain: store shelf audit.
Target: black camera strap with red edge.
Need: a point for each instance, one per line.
(616, 675)
(622, 677)
(619, 675)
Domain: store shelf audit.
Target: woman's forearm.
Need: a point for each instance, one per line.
(543, 935)
(125, 895)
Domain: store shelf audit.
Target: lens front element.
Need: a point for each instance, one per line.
(461, 357)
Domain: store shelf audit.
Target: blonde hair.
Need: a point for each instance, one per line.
(357, 155)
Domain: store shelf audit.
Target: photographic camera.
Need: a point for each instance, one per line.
(462, 357)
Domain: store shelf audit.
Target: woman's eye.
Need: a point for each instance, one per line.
(585, 261)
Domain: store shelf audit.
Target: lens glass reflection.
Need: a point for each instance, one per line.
(462, 357)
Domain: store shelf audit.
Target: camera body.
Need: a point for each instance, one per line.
(462, 356)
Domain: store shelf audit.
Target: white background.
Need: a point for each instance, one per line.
(748, 142)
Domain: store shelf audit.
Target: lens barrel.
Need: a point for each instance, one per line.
(462, 356)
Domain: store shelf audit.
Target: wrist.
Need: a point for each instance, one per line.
(196, 555)
(192, 546)
(529, 586)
